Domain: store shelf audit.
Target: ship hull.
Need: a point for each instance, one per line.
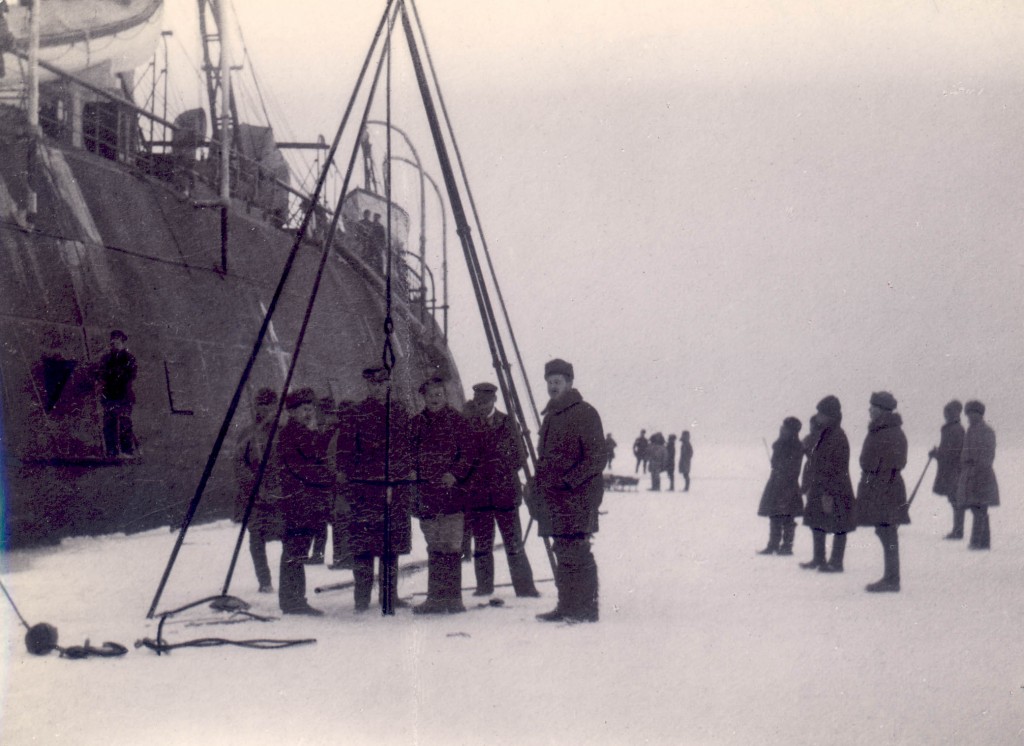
(113, 248)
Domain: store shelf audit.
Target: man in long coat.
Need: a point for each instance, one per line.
(443, 455)
(373, 448)
(829, 508)
(494, 493)
(264, 521)
(117, 371)
(947, 456)
(685, 458)
(640, 451)
(569, 489)
(781, 500)
(978, 489)
(307, 490)
(881, 494)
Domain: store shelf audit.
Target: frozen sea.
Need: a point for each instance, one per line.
(701, 641)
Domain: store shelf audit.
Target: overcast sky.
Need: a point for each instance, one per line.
(718, 211)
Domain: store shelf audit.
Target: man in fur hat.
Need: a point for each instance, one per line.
(569, 489)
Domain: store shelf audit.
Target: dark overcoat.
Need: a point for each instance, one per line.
(441, 444)
(781, 494)
(265, 516)
(361, 448)
(978, 486)
(830, 491)
(670, 449)
(494, 483)
(881, 494)
(307, 479)
(570, 459)
(117, 370)
(685, 456)
(947, 457)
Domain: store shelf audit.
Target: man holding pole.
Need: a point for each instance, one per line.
(569, 490)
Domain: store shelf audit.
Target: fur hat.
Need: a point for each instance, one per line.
(297, 398)
(974, 406)
(377, 375)
(792, 423)
(558, 367)
(266, 396)
(883, 400)
(830, 407)
(953, 408)
(432, 381)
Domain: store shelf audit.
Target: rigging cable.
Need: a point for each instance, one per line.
(257, 345)
(499, 356)
(328, 243)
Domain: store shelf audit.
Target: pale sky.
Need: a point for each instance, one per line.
(718, 211)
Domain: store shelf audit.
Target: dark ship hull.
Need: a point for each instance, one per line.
(115, 247)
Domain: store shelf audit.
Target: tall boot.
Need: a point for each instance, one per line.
(362, 574)
(958, 524)
(435, 603)
(819, 550)
(392, 562)
(977, 530)
(986, 530)
(557, 614)
(774, 535)
(835, 563)
(788, 531)
(522, 574)
(451, 589)
(890, 582)
(586, 606)
(483, 565)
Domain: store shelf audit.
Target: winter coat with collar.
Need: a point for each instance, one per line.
(570, 460)
(307, 479)
(881, 494)
(947, 457)
(978, 486)
(781, 494)
(440, 444)
(499, 455)
(362, 444)
(829, 489)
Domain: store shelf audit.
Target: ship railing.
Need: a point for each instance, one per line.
(78, 114)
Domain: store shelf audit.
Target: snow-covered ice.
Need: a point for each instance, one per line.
(701, 641)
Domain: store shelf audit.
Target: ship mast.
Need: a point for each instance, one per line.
(218, 89)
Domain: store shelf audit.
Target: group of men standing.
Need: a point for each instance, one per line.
(655, 455)
(377, 466)
(832, 507)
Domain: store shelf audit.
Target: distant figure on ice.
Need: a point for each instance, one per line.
(264, 521)
(670, 461)
(781, 500)
(881, 494)
(640, 451)
(657, 458)
(373, 436)
(443, 455)
(569, 489)
(609, 447)
(117, 371)
(685, 458)
(829, 508)
(947, 456)
(978, 489)
(307, 489)
(495, 493)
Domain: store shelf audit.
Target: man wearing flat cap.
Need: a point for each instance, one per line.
(307, 489)
(978, 489)
(494, 492)
(881, 494)
(373, 447)
(569, 489)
